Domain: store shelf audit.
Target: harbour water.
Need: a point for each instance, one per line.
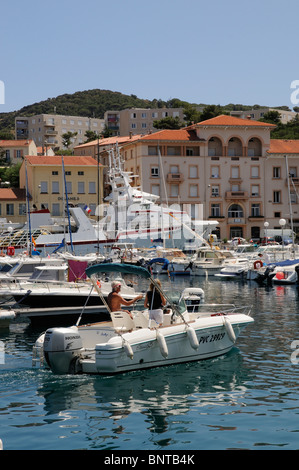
(247, 399)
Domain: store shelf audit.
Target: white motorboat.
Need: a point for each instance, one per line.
(206, 261)
(124, 344)
(235, 269)
(22, 267)
(286, 273)
(49, 287)
(283, 272)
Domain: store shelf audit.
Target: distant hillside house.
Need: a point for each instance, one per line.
(13, 151)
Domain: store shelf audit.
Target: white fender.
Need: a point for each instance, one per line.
(162, 344)
(128, 349)
(192, 338)
(229, 329)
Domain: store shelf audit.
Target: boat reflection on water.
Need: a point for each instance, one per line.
(158, 394)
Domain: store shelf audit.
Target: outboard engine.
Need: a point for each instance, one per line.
(62, 348)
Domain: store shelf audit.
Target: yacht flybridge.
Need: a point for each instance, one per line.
(125, 344)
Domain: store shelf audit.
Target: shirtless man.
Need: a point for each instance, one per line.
(115, 300)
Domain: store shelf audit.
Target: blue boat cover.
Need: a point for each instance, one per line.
(287, 262)
(165, 261)
(117, 268)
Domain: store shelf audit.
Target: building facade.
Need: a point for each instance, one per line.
(47, 129)
(46, 182)
(259, 113)
(225, 169)
(138, 120)
(12, 206)
(13, 151)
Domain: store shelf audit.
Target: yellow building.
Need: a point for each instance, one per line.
(46, 182)
(12, 206)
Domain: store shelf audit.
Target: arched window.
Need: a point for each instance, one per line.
(234, 147)
(235, 211)
(254, 147)
(214, 147)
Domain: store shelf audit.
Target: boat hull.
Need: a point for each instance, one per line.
(146, 347)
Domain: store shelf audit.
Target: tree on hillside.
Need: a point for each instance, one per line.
(191, 114)
(11, 174)
(273, 117)
(90, 136)
(211, 111)
(67, 138)
(168, 123)
(7, 135)
(290, 130)
(107, 132)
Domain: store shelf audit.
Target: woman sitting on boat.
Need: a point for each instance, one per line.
(115, 300)
(155, 302)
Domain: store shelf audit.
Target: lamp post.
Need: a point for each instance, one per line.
(266, 225)
(282, 223)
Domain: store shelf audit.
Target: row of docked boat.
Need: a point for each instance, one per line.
(37, 286)
(97, 340)
(271, 263)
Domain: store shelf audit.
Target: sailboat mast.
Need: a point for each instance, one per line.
(67, 205)
(29, 239)
(290, 203)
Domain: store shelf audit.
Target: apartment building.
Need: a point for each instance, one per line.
(138, 120)
(13, 151)
(259, 113)
(225, 169)
(47, 129)
(46, 182)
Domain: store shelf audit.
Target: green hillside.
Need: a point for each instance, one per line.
(90, 103)
(94, 103)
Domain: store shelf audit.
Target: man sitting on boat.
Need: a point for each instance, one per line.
(115, 300)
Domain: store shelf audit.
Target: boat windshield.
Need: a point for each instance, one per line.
(177, 301)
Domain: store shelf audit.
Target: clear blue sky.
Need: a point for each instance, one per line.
(214, 52)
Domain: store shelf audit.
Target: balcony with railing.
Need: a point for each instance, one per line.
(51, 132)
(236, 195)
(175, 177)
(293, 179)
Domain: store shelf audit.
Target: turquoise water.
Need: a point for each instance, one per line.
(247, 399)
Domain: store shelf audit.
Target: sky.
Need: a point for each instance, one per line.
(212, 52)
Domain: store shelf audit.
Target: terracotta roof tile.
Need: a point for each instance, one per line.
(284, 146)
(172, 134)
(56, 160)
(224, 120)
(15, 143)
(109, 141)
(12, 194)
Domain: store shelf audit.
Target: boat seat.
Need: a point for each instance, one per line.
(122, 321)
(140, 319)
